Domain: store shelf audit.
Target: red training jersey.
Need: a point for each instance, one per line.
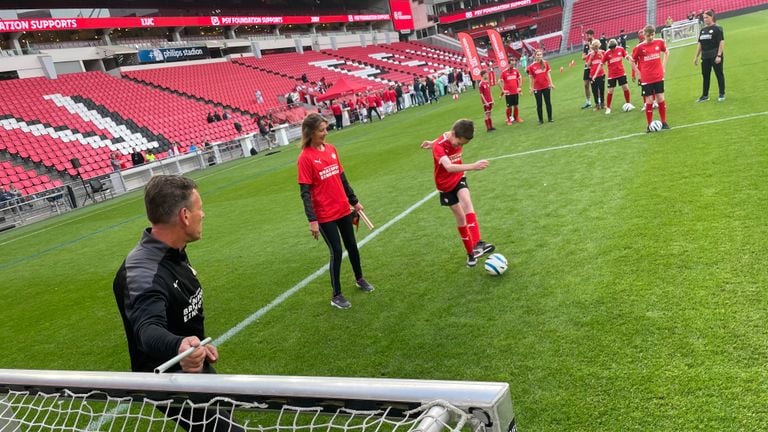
(336, 109)
(444, 180)
(540, 75)
(512, 81)
(614, 59)
(322, 171)
(647, 55)
(596, 64)
(485, 93)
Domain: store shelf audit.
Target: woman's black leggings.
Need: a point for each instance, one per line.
(598, 91)
(334, 233)
(538, 94)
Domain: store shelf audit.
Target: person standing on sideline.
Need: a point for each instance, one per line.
(338, 114)
(590, 36)
(541, 84)
(511, 86)
(487, 99)
(327, 196)
(710, 48)
(452, 184)
(597, 75)
(159, 296)
(616, 74)
(650, 59)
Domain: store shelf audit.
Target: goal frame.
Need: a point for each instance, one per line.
(489, 403)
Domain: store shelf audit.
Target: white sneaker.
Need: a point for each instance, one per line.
(607, 110)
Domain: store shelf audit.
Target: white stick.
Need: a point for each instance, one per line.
(365, 220)
(164, 367)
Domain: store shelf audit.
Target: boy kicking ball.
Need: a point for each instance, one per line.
(452, 185)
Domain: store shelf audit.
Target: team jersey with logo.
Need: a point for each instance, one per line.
(512, 81)
(444, 180)
(647, 55)
(540, 75)
(492, 77)
(614, 59)
(485, 93)
(322, 171)
(596, 64)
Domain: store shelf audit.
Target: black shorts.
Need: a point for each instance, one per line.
(653, 88)
(450, 198)
(586, 75)
(622, 80)
(512, 99)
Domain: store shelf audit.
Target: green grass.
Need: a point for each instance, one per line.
(634, 300)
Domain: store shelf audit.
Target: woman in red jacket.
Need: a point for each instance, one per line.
(327, 198)
(541, 84)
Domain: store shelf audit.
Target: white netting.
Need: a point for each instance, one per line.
(24, 411)
(681, 33)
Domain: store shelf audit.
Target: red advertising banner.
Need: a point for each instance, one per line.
(487, 11)
(470, 52)
(498, 49)
(402, 17)
(55, 24)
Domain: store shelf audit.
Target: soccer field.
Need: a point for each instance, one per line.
(635, 298)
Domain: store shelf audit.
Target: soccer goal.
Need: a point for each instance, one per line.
(38, 400)
(681, 33)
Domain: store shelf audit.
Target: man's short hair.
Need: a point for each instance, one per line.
(649, 29)
(589, 32)
(464, 128)
(165, 195)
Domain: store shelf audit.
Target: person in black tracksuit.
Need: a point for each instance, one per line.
(710, 48)
(159, 297)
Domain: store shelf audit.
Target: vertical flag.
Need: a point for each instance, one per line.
(498, 49)
(470, 52)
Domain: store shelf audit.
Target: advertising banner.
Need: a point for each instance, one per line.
(470, 52)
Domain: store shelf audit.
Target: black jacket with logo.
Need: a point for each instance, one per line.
(160, 301)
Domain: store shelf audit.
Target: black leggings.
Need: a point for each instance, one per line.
(372, 110)
(598, 91)
(706, 71)
(538, 94)
(330, 232)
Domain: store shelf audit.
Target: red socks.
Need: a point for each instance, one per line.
(488, 124)
(626, 95)
(466, 238)
(509, 113)
(663, 111)
(608, 100)
(649, 112)
(517, 114)
(474, 227)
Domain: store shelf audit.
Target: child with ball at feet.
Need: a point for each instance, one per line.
(452, 184)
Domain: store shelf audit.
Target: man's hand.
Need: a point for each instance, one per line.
(426, 144)
(480, 165)
(194, 362)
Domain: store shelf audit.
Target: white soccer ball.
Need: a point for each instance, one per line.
(496, 264)
(627, 107)
(655, 126)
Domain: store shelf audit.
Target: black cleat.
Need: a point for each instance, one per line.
(482, 248)
(364, 285)
(340, 302)
(471, 260)
(665, 126)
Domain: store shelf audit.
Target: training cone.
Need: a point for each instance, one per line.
(561, 69)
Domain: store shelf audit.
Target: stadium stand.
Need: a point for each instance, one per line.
(87, 115)
(27, 181)
(678, 10)
(234, 86)
(605, 17)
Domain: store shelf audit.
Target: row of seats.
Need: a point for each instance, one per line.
(88, 115)
(26, 181)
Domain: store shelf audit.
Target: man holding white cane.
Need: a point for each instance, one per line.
(158, 294)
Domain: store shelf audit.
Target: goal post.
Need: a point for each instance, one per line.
(681, 33)
(47, 400)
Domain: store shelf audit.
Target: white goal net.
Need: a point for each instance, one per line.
(102, 401)
(681, 33)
